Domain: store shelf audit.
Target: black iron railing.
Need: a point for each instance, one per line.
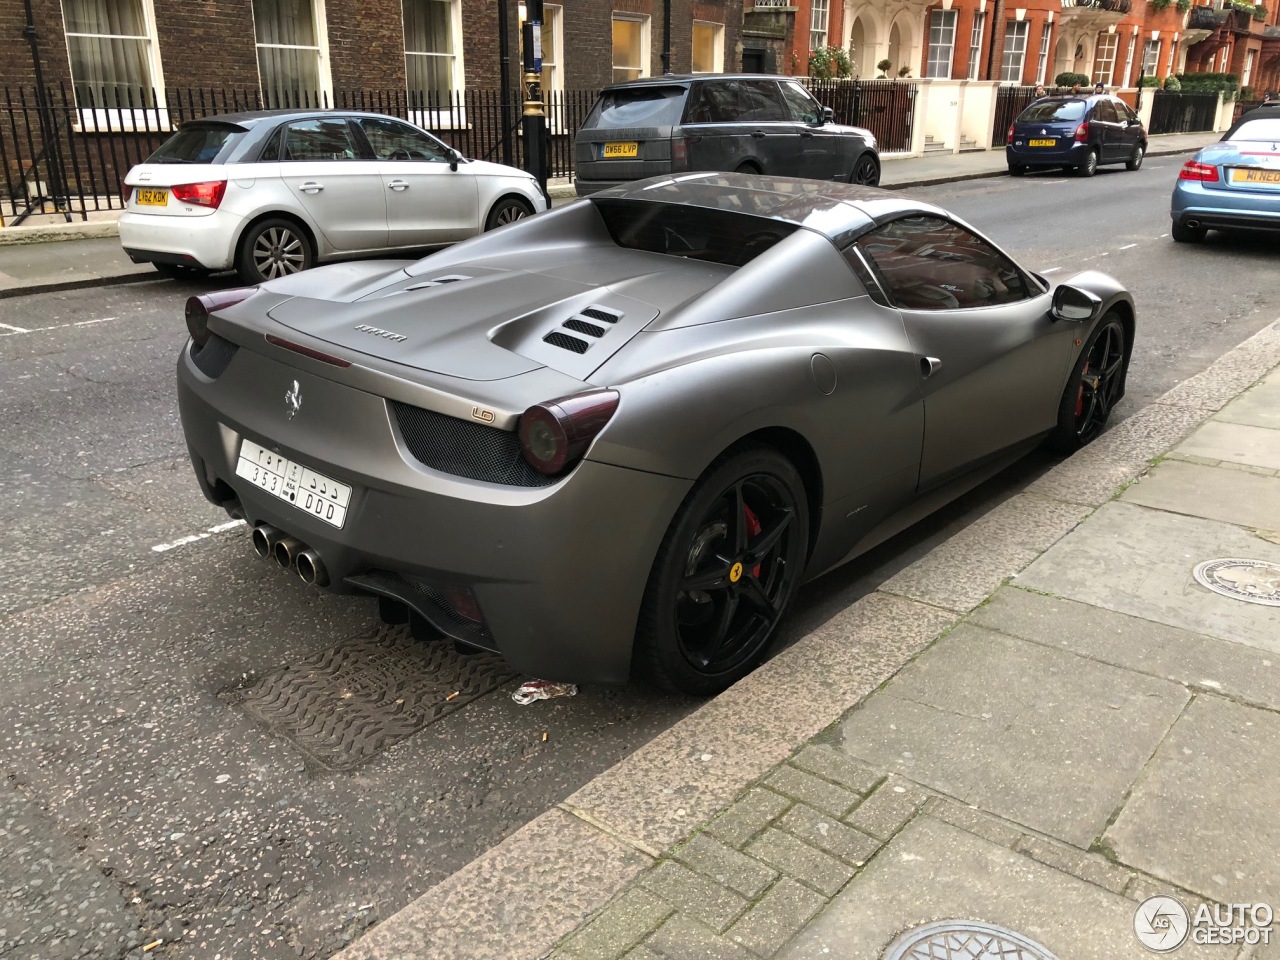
(885, 107)
(68, 152)
(1182, 112)
(1011, 101)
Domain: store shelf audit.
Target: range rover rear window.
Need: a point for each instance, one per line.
(637, 107)
(696, 233)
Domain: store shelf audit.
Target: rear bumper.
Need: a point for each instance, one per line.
(559, 572)
(1196, 205)
(207, 241)
(1056, 157)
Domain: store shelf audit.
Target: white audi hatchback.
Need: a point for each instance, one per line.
(272, 193)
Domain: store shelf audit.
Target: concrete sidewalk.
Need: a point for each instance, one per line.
(1004, 751)
(46, 253)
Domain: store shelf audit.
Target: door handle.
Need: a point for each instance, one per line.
(757, 134)
(929, 366)
(311, 187)
(806, 134)
(398, 184)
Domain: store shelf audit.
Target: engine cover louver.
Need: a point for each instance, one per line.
(578, 324)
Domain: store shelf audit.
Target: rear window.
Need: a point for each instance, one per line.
(696, 233)
(1047, 111)
(1268, 128)
(197, 143)
(640, 107)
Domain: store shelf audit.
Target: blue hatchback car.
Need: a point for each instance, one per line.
(1077, 133)
(1233, 184)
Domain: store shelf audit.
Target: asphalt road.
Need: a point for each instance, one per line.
(143, 795)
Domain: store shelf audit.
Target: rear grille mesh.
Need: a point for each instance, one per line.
(465, 449)
(214, 357)
(581, 326)
(566, 342)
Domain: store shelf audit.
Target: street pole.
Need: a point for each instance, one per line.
(535, 116)
(504, 80)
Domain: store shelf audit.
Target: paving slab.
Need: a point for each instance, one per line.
(1034, 735)
(1232, 496)
(1139, 561)
(1204, 815)
(1235, 443)
(1259, 407)
(934, 871)
(1234, 669)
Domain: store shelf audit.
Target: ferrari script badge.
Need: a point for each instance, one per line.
(293, 400)
(735, 573)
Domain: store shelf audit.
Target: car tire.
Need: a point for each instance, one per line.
(1135, 159)
(274, 247)
(507, 210)
(1090, 165)
(1093, 388)
(748, 168)
(866, 172)
(1017, 170)
(1184, 234)
(725, 574)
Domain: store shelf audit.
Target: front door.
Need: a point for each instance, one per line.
(428, 202)
(820, 150)
(992, 360)
(340, 188)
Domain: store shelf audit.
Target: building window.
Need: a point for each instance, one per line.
(1128, 61)
(1151, 58)
(1046, 35)
(1104, 58)
(708, 47)
(975, 45)
(630, 48)
(1248, 67)
(431, 60)
(818, 24)
(1015, 51)
(289, 44)
(113, 53)
(1173, 58)
(942, 44)
(552, 42)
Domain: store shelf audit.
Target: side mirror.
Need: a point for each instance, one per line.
(454, 157)
(1072, 303)
(827, 115)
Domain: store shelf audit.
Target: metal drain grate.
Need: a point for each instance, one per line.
(1253, 581)
(343, 707)
(965, 940)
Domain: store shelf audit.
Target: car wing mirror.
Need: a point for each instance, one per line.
(454, 158)
(1072, 303)
(827, 116)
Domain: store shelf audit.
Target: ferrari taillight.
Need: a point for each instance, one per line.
(206, 194)
(1082, 132)
(1200, 172)
(555, 434)
(198, 309)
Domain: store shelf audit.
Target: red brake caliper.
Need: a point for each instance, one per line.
(753, 528)
(1080, 395)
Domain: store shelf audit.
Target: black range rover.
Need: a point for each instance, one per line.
(749, 123)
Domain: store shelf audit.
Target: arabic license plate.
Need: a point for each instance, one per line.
(153, 198)
(620, 151)
(322, 497)
(1042, 143)
(1255, 176)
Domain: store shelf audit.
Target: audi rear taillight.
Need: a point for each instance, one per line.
(1082, 132)
(1200, 172)
(1009, 139)
(198, 309)
(206, 194)
(126, 191)
(555, 434)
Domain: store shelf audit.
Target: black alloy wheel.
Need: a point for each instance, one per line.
(866, 172)
(726, 573)
(1094, 387)
(507, 210)
(273, 248)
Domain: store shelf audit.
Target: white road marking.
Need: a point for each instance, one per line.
(197, 537)
(10, 326)
(14, 331)
(86, 323)
(1128, 246)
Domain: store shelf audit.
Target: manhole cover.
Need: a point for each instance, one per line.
(343, 707)
(965, 940)
(1253, 581)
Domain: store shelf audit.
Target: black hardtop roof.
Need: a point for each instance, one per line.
(684, 79)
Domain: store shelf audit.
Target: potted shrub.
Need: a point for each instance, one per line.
(1172, 84)
(904, 71)
(884, 66)
(828, 63)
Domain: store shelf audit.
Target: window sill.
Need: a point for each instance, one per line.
(122, 120)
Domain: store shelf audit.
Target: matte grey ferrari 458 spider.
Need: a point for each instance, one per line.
(617, 436)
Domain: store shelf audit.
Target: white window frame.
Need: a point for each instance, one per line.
(819, 21)
(1128, 60)
(646, 43)
(1046, 38)
(1018, 31)
(123, 119)
(1247, 74)
(975, 43)
(942, 44)
(1173, 57)
(717, 45)
(1107, 43)
(552, 23)
(439, 119)
(1151, 58)
(320, 24)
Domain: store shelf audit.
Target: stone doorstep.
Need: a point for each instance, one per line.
(484, 881)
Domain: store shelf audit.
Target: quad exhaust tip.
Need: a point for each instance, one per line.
(286, 551)
(264, 538)
(290, 553)
(310, 568)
